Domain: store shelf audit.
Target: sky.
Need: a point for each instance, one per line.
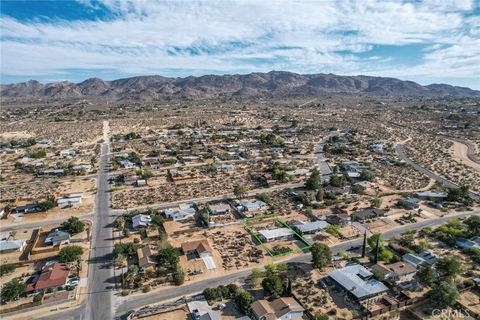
(434, 41)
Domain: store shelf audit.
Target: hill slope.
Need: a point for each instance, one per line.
(275, 84)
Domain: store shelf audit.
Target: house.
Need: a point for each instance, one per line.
(7, 246)
(70, 199)
(425, 258)
(184, 211)
(467, 244)
(310, 227)
(276, 234)
(430, 195)
(82, 167)
(340, 219)
(398, 272)
(67, 153)
(220, 208)
(126, 164)
(279, 309)
(146, 258)
(199, 249)
(358, 282)
(57, 237)
(141, 220)
(410, 203)
(368, 214)
(28, 208)
(250, 207)
(52, 276)
(51, 172)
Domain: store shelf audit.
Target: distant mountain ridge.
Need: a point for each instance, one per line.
(274, 84)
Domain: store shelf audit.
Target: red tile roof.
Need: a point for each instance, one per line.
(53, 275)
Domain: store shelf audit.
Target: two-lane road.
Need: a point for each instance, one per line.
(403, 156)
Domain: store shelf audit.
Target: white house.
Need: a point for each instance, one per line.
(141, 220)
(184, 211)
(276, 234)
(70, 199)
(7, 246)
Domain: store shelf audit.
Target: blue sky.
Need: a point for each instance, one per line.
(435, 41)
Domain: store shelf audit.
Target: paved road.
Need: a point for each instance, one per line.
(402, 155)
(125, 304)
(100, 273)
(325, 170)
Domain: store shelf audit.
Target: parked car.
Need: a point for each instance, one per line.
(73, 281)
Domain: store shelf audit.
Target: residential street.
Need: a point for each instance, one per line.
(403, 156)
(128, 303)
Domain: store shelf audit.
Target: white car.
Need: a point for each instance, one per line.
(73, 281)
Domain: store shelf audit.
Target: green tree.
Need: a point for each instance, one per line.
(38, 154)
(427, 276)
(12, 290)
(73, 225)
(70, 253)
(243, 300)
(444, 295)
(168, 258)
(449, 266)
(321, 255)
(473, 224)
(256, 277)
(378, 275)
(179, 277)
(6, 269)
(272, 286)
(372, 242)
(239, 191)
(314, 182)
(157, 220)
(367, 175)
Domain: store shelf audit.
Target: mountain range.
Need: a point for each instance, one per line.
(274, 84)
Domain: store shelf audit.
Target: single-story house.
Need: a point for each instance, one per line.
(467, 244)
(51, 172)
(126, 164)
(146, 257)
(310, 227)
(52, 276)
(340, 219)
(358, 281)
(429, 195)
(7, 246)
(81, 167)
(57, 237)
(28, 208)
(250, 207)
(184, 211)
(220, 208)
(279, 309)
(425, 258)
(67, 153)
(196, 248)
(396, 272)
(70, 199)
(141, 220)
(411, 203)
(367, 214)
(276, 234)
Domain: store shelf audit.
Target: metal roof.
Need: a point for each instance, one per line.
(355, 279)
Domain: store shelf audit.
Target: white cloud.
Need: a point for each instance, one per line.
(242, 36)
